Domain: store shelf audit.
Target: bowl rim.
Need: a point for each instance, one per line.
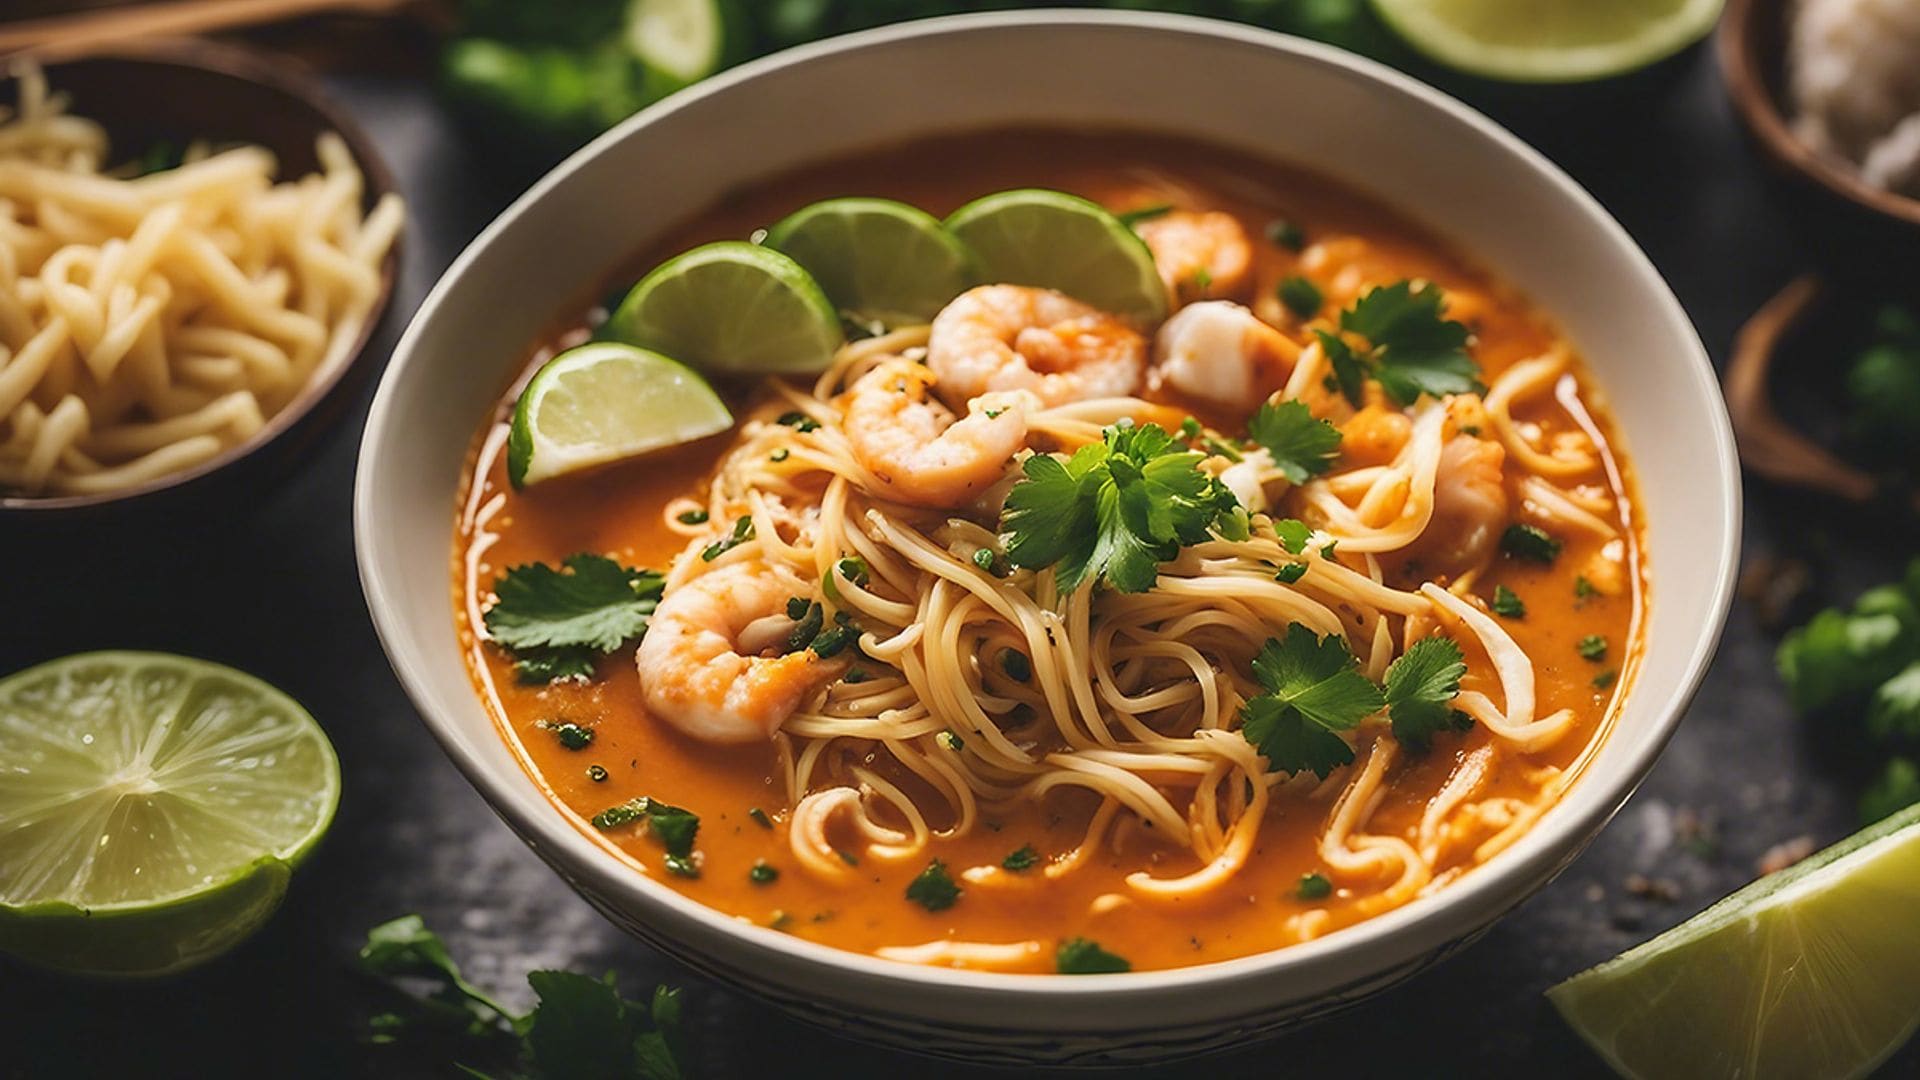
(259, 67)
(1743, 71)
(1535, 857)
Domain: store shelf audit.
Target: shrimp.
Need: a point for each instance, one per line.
(915, 449)
(1219, 351)
(1198, 254)
(1469, 507)
(693, 674)
(1012, 337)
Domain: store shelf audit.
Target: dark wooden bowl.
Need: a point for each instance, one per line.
(1846, 220)
(179, 91)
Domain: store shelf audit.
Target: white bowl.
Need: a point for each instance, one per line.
(1275, 96)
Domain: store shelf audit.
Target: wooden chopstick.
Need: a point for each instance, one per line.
(68, 35)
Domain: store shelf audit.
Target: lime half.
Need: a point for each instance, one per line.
(152, 808)
(603, 402)
(1810, 972)
(876, 258)
(732, 307)
(1549, 40)
(1060, 241)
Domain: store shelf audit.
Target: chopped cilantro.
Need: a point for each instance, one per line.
(1582, 588)
(1301, 296)
(1134, 217)
(1290, 573)
(1016, 665)
(1189, 428)
(1592, 647)
(1532, 543)
(808, 617)
(1605, 679)
(674, 827)
(798, 421)
(573, 736)
(1286, 234)
(1293, 535)
(933, 889)
(834, 639)
(1313, 886)
(950, 740)
(853, 569)
(762, 872)
(1082, 956)
(1301, 445)
(555, 622)
(1896, 788)
(1202, 279)
(984, 559)
(693, 517)
(742, 532)
(760, 817)
(1506, 604)
(1025, 858)
(855, 675)
(1420, 688)
(1115, 510)
(1313, 694)
(779, 455)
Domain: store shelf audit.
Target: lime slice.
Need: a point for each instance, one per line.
(152, 810)
(603, 402)
(732, 307)
(1810, 972)
(679, 42)
(1549, 40)
(876, 258)
(1061, 241)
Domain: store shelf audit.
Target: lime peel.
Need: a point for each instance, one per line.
(1548, 40)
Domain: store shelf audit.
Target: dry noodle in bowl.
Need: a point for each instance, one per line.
(150, 322)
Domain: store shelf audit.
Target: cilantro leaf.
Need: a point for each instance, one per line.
(1349, 371)
(1301, 445)
(1293, 534)
(1507, 604)
(933, 888)
(1025, 858)
(1115, 510)
(1530, 542)
(1840, 656)
(1083, 956)
(1313, 692)
(1894, 713)
(1421, 686)
(555, 621)
(1301, 296)
(1896, 788)
(1415, 350)
(580, 1027)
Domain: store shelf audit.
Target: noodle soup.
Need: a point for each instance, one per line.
(1367, 673)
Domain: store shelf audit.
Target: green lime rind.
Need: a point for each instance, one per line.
(877, 258)
(154, 809)
(1558, 41)
(604, 402)
(137, 941)
(1050, 239)
(732, 307)
(1806, 972)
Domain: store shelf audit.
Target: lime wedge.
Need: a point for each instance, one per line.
(679, 42)
(732, 307)
(603, 402)
(1060, 241)
(876, 258)
(1810, 972)
(152, 809)
(1549, 40)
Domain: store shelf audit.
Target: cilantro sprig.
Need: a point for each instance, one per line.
(1301, 445)
(580, 1027)
(1315, 692)
(1410, 347)
(1116, 509)
(555, 622)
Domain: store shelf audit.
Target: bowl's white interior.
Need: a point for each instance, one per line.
(1276, 97)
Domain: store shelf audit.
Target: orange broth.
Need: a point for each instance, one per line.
(617, 511)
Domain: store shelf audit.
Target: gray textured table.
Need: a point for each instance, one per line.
(272, 588)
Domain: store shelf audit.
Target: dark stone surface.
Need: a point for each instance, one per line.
(271, 588)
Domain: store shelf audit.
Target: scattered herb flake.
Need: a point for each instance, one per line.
(760, 817)
(934, 889)
(1592, 647)
(693, 517)
(572, 736)
(798, 421)
(1532, 543)
(1506, 604)
(1313, 886)
(742, 532)
(1022, 859)
(1083, 956)
(1605, 679)
(1301, 296)
(1286, 234)
(762, 873)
